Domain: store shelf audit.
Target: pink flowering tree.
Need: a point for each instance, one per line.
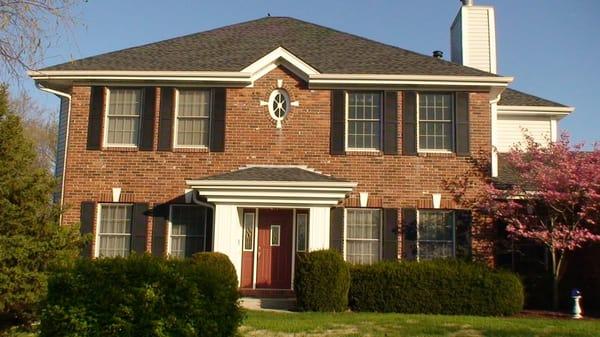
(554, 201)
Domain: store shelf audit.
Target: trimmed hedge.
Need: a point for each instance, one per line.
(321, 281)
(143, 296)
(435, 287)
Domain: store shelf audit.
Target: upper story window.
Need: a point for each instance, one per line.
(436, 122)
(192, 118)
(435, 234)
(363, 235)
(123, 116)
(363, 121)
(114, 230)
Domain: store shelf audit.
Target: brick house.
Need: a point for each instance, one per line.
(276, 136)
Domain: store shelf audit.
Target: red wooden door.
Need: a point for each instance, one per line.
(274, 267)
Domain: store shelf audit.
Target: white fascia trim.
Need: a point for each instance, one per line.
(207, 76)
(533, 110)
(279, 56)
(383, 79)
(324, 184)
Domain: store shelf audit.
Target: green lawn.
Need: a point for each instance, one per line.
(373, 324)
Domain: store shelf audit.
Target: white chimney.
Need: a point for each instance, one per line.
(473, 37)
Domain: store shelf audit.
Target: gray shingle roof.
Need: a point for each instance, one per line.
(258, 173)
(234, 47)
(519, 98)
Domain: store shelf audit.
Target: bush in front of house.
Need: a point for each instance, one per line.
(143, 296)
(435, 287)
(321, 281)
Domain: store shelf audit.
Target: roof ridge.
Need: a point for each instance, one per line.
(383, 44)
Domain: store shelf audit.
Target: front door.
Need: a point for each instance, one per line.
(274, 267)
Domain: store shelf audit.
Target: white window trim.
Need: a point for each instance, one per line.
(346, 122)
(244, 230)
(105, 119)
(305, 215)
(98, 223)
(345, 231)
(453, 127)
(453, 214)
(278, 235)
(170, 226)
(176, 116)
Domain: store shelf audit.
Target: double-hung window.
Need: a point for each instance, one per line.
(436, 122)
(363, 235)
(193, 114)
(188, 229)
(436, 233)
(114, 230)
(123, 116)
(363, 121)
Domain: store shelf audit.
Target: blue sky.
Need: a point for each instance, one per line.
(551, 47)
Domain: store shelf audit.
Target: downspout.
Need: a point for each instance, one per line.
(494, 134)
(62, 183)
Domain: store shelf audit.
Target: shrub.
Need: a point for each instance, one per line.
(435, 287)
(142, 296)
(321, 281)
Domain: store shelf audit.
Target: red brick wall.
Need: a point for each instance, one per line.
(393, 181)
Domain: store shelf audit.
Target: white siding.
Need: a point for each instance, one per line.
(318, 230)
(60, 146)
(456, 39)
(227, 237)
(473, 41)
(510, 130)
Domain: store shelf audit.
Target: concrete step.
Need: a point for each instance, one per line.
(268, 304)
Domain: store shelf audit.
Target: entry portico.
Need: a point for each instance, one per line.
(265, 214)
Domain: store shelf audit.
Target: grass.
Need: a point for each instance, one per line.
(261, 323)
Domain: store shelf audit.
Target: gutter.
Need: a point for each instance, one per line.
(68, 97)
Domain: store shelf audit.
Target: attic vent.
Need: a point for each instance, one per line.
(438, 54)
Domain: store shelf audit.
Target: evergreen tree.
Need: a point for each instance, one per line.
(31, 240)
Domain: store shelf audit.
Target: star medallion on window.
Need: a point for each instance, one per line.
(279, 104)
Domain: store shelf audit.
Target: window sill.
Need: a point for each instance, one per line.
(436, 154)
(121, 148)
(365, 152)
(191, 149)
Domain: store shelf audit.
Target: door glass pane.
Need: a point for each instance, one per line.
(275, 235)
(301, 232)
(248, 231)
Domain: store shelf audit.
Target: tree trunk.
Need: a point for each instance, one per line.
(555, 298)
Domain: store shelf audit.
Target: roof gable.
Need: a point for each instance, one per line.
(236, 47)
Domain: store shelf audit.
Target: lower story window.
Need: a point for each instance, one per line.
(114, 232)
(435, 234)
(188, 229)
(363, 235)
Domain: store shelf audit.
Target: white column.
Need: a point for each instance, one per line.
(228, 235)
(318, 228)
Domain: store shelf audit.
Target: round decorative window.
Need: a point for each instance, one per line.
(279, 105)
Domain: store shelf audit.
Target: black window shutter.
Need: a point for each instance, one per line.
(390, 234)
(147, 122)
(338, 122)
(336, 229)
(139, 227)
(88, 209)
(217, 121)
(409, 230)
(409, 124)
(462, 124)
(165, 124)
(94, 131)
(159, 229)
(463, 234)
(390, 123)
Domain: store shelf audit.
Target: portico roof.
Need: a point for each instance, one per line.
(279, 186)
